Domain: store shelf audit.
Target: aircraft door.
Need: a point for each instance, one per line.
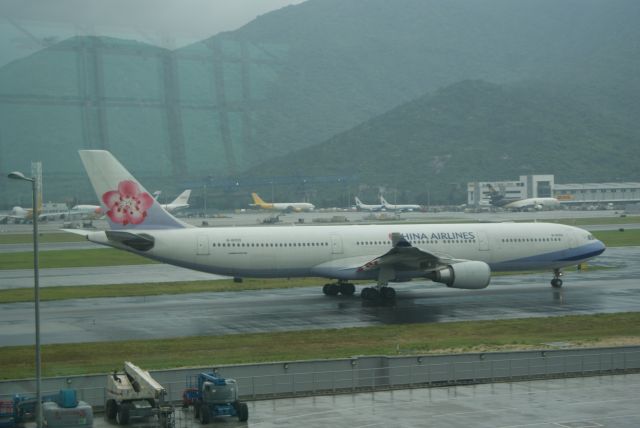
(483, 242)
(203, 245)
(336, 244)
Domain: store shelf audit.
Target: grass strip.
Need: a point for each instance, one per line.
(72, 258)
(154, 289)
(24, 238)
(582, 221)
(405, 339)
(619, 238)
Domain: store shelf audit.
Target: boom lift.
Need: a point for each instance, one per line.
(216, 396)
(135, 394)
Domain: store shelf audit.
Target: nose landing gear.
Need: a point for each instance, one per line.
(556, 282)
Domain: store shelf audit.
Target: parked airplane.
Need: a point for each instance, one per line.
(85, 212)
(19, 215)
(179, 203)
(457, 255)
(367, 207)
(25, 215)
(394, 207)
(282, 206)
(498, 199)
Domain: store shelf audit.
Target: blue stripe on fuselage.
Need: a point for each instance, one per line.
(556, 258)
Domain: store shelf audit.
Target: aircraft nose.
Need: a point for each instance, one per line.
(600, 247)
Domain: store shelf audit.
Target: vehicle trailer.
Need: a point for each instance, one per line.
(215, 397)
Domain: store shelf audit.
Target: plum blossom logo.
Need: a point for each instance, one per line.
(127, 205)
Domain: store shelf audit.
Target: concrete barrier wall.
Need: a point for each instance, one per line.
(365, 373)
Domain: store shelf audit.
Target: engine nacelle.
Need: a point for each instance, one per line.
(471, 275)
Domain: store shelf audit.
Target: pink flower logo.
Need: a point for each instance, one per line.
(127, 205)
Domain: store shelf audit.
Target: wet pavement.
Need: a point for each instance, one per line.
(516, 296)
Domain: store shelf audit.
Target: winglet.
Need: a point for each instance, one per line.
(125, 202)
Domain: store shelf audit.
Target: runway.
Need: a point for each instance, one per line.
(91, 320)
(132, 274)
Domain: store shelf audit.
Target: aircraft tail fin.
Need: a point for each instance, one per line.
(125, 202)
(257, 200)
(183, 198)
(383, 201)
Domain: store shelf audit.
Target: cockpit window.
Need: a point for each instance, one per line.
(590, 237)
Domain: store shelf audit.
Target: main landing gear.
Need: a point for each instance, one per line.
(556, 282)
(376, 293)
(344, 288)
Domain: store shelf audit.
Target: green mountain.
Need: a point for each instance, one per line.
(473, 130)
(294, 78)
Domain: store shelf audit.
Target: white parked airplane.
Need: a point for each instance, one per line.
(367, 207)
(19, 215)
(179, 203)
(25, 215)
(457, 255)
(280, 206)
(498, 199)
(85, 212)
(533, 203)
(394, 207)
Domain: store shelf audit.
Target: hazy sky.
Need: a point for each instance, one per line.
(26, 25)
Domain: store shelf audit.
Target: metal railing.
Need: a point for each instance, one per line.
(288, 379)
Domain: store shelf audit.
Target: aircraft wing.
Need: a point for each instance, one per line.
(403, 256)
(51, 215)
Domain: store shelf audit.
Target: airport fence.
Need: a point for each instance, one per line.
(366, 373)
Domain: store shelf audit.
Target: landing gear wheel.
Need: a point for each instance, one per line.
(556, 283)
(331, 289)
(370, 293)
(388, 293)
(347, 289)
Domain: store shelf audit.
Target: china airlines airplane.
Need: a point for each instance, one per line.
(456, 255)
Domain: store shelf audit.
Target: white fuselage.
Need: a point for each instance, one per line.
(533, 202)
(296, 206)
(338, 251)
(368, 207)
(398, 207)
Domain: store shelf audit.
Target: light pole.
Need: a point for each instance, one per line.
(16, 175)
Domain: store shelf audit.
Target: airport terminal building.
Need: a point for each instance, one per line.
(543, 186)
(598, 193)
(528, 186)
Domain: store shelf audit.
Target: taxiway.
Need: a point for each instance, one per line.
(514, 296)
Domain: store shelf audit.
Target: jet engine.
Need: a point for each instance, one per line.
(471, 275)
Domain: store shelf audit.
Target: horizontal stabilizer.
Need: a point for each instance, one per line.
(141, 241)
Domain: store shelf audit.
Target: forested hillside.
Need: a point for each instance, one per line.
(474, 130)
